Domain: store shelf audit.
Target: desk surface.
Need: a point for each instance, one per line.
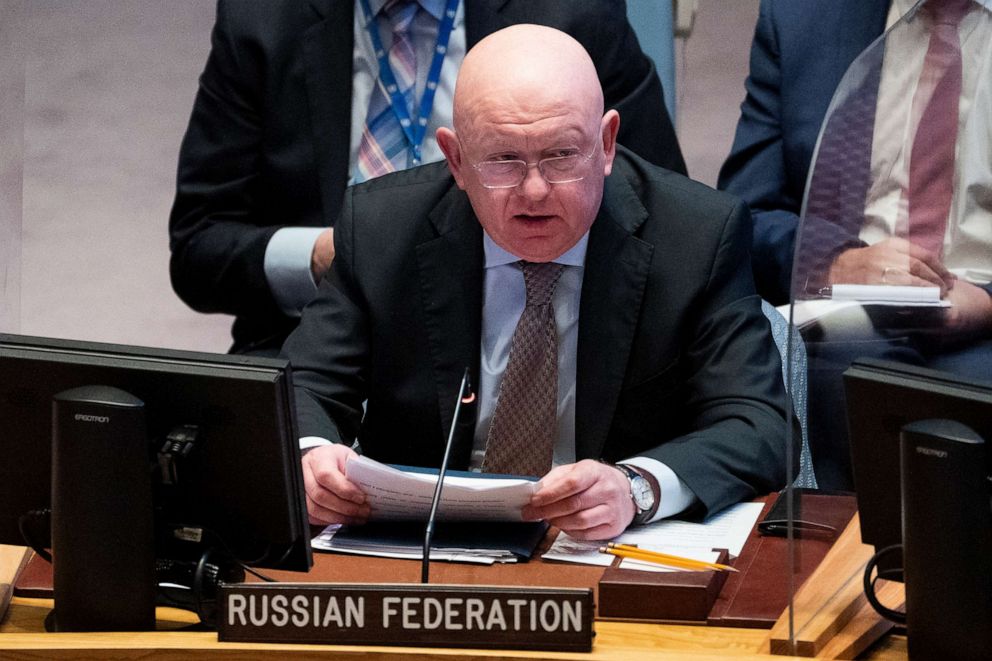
(20, 638)
(22, 631)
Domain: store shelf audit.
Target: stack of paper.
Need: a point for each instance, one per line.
(478, 517)
(728, 529)
(888, 295)
(456, 542)
(405, 493)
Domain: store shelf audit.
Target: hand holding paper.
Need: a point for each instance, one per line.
(397, 494)
(331, 496)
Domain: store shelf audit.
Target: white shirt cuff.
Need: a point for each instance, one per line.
(308, 442)
(287, 267)
(675, 495)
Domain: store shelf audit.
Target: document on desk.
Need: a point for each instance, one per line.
(728, 529)
(847, 297)
(405, 494)
(484, 542)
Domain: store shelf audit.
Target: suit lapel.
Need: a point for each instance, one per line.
(327, 54)
(616, 272)
(450, 269)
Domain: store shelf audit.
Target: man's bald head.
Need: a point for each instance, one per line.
(531, 146)
(526, 66)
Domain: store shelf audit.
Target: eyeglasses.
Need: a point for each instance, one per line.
(511, 173)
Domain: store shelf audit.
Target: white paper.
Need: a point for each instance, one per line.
(727, 530)
(324, 542)
(397, 495)
(888, 294)
(805, 312)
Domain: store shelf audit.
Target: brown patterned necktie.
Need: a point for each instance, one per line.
(522, 431)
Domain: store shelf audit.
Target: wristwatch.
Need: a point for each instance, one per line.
(643, 491)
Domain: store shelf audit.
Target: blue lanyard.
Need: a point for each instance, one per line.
(414, 131)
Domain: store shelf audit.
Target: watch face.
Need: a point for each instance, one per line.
(642, 493)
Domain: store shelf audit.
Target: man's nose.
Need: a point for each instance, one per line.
(534, 186)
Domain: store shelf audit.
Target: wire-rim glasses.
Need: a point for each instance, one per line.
(512, 172)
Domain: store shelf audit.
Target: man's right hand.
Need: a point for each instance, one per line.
(894, 261)
(322, 254)
(331, 496)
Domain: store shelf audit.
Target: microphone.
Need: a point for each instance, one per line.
(465, 396)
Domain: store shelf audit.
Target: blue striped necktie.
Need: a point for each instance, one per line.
(384, 146)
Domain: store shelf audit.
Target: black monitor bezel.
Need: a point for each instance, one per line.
(874, 421)
(253, 371)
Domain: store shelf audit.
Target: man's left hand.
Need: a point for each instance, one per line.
(969, 318)
(588, 500)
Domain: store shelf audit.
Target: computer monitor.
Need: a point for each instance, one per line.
(230, 479)
(882, 397)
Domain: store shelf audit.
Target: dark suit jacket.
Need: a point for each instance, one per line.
(675, 359)
(268, 141)
(801, 50)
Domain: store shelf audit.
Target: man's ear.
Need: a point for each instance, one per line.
(610, 126)
(448, 142)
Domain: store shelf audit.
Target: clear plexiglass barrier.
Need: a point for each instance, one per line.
(890, 316)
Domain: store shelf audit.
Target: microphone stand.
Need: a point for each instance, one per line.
(465, 396)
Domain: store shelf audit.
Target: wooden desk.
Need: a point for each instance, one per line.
(22, 631)
(20, 638)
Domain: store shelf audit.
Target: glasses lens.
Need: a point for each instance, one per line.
(501, 174)
(509, 174)
(561, 169)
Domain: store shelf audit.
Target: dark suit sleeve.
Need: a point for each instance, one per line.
(736, 400)
(631, 86)
(217, 233)
(330, 348)
(756, 169)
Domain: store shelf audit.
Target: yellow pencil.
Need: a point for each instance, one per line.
(636, 553)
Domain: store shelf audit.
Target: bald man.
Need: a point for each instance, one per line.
(657, 370)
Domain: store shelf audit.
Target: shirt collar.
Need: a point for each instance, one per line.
(433, 7)
(904, 7)
(496, 256)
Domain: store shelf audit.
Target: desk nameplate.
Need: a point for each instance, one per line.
(408, 614)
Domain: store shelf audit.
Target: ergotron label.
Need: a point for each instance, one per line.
(83, 417)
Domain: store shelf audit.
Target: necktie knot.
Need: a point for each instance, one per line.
(400, 14)
(947, 12)
(540, 280)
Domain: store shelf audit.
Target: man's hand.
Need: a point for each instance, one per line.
(323, 254)
(588, 500)
(969, 318)
(893, 261)
(331, 497)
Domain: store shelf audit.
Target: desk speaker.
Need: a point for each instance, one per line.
(102, 533)
(947, 541)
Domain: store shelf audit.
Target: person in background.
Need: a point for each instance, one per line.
(900, 193)
(300, 98)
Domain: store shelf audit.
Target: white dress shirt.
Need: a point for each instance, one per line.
(288, 253)
(968, 241)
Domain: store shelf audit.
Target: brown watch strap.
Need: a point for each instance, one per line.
(647, 515)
